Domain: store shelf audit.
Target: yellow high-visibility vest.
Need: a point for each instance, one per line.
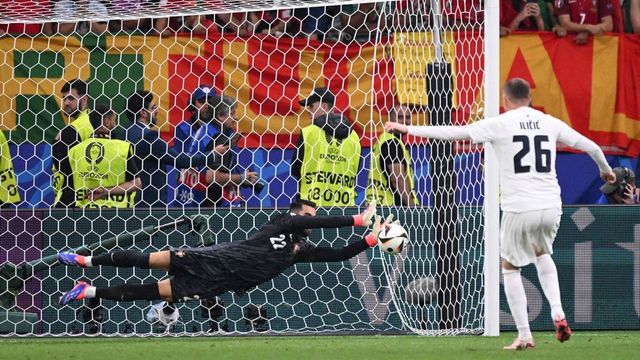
(379, 188)
(85, 130)
(8, 183)
(329, 168)
(98, 162)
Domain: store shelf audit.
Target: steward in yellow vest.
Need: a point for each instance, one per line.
(80, 128)
(8, 183)
(103, 171)
(330, 158)
(391, 176)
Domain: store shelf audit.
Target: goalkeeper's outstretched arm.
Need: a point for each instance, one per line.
(298, 223)
(326, 254)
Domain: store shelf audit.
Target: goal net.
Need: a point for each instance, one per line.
(419, 61)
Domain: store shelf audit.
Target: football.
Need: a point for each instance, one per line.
(156, 314)
(393, 239)
(421, 291)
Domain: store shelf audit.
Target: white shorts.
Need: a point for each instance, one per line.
(522, 235)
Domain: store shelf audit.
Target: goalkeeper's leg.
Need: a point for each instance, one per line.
(124, 292)
(120, 258)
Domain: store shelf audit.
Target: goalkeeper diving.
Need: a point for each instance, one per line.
(206, 272)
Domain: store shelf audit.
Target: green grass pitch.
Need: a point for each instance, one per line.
(583, 346)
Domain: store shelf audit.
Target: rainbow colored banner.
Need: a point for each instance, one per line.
(592, 87)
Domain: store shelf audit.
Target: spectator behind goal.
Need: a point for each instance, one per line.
(8, 183)
(102, 171)
(75, 109)
(68, 9)
(521, 15)
(585, 17)
(631, 16)
(152, 154)
(327, 158)
(391, 175)
(211, 187)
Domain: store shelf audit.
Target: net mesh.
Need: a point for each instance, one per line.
(381, 59)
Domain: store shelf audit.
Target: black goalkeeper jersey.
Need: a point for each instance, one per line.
(276, 246)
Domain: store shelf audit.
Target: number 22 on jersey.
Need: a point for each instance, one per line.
(279, 242)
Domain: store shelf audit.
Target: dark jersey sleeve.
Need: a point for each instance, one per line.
(132, 167)
(311, 253)
(391, 153)
(296, 159)
(299, 223)
(60, 149)
(60, 158)
(68, 196)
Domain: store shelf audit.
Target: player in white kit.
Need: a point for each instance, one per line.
(524, 140)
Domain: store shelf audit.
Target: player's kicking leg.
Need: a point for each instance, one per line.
(120, 258)
(124, 292)
(517, 299)
(548, 276)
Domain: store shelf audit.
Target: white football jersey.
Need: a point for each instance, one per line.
(525, 143)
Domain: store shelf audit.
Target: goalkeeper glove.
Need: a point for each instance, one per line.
(364, 219)
(372, 238)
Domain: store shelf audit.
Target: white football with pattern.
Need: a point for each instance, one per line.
(393, 238)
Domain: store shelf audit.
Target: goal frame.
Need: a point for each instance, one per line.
(491, 103)
(491, 170)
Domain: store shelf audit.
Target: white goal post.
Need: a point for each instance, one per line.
(491, 174)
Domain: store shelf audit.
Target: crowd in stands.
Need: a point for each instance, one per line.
(583, 18)
(362, 22)
(334, 22)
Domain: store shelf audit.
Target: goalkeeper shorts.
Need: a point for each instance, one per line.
(197, 274)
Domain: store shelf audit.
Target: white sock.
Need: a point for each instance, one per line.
(87, 261)
(548, 276)
(90, 292)
(517, 299)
